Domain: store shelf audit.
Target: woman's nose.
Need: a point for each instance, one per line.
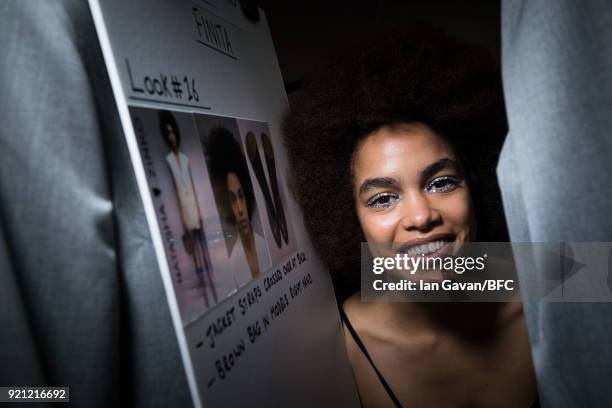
(418, 213)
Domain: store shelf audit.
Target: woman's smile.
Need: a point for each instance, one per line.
(410, 191)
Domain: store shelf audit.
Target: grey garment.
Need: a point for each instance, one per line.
(555, 173)
(81, 299)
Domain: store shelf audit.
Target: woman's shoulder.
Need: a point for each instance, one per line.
(362, 317)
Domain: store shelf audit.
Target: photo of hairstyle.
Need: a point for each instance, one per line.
(235, 198)
(229, 158)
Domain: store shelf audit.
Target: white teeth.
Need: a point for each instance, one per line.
(425, 248)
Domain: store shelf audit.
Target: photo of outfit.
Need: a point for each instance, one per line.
(181, 174)
(195, 242)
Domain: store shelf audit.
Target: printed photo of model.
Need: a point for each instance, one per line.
(236, 201)
(193, 237)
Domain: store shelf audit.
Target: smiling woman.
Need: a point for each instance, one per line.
(397, 143)
(423, 204)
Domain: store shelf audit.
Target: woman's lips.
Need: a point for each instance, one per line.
(444, 250)
(439, 248)
(435, 245)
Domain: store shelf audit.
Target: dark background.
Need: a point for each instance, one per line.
(307, 33)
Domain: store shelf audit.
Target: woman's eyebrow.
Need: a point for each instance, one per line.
(378, 182)
(436, 166)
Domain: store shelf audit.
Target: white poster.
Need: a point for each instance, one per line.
(200, 97)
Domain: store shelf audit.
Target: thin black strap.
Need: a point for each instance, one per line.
(367, 355)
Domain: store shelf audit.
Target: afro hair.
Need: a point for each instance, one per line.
(226, 156)
(398, 76)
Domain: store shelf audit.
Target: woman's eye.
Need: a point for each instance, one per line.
(383, 200)
(444, 184)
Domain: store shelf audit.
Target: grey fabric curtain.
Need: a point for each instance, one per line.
(81, 298)
(555, 174)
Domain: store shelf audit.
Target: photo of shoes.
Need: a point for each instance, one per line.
(269, 187)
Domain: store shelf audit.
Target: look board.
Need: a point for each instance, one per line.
(200, 98)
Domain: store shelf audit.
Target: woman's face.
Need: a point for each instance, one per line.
(238, 202)
(172, 136)
(410, 191)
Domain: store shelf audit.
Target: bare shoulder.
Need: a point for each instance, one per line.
(354, 310)
(371, 393)
(416, 360)
(352, 306)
